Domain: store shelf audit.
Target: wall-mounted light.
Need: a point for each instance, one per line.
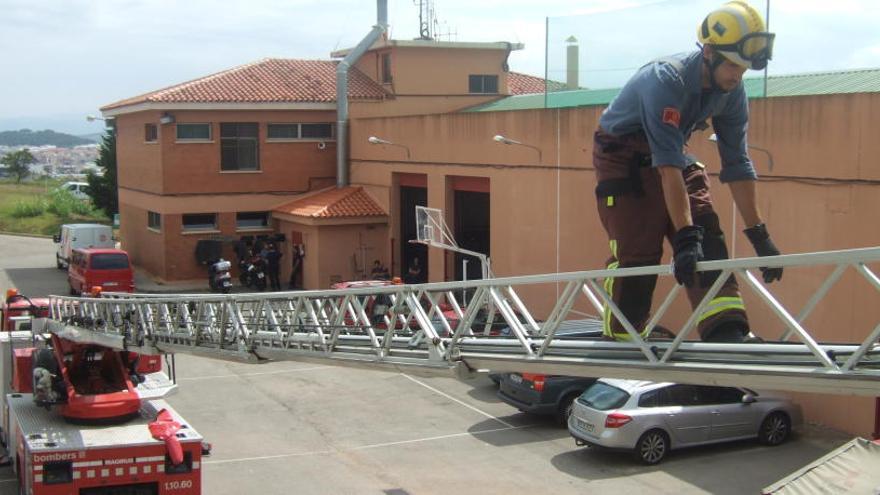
(375, 140)
(504, 140)
(166, 118)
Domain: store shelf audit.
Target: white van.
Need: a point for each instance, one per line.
(81, 235)
(79, 190)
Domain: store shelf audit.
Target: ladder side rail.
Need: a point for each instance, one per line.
(636, 339)
(466, 320)
(518, 304)
(872, 337)
(360, 313)
(694, 318)
(817, 296)
(434, 298)
(456, 308)
(313, 315)
(390, 320)
(559, 312)
(436, 348)
(789, 321)
(183, 309)
(518, 330)
(240, 326)
(272, 325)
(664, 307)
(338, 316)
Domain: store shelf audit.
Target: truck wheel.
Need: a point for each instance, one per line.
(563, 410)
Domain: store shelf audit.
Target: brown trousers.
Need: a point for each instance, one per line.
(633, 212)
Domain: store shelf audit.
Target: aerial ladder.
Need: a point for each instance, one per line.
(427, 329)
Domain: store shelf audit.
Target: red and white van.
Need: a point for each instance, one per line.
(109, 269)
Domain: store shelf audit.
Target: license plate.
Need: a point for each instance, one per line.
(585, 426)
(111, 284)
(515, 378)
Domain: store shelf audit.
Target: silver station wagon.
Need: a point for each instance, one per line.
(650, 418)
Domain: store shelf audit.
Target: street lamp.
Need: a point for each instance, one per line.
(375, 140)
(504, 140)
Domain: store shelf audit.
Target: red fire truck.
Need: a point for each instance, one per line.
(89, 420)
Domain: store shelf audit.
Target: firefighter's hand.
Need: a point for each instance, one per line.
(760, 239)
(687, 250)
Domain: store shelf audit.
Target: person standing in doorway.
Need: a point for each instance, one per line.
(649, 188)
(273, 265)
(297, 267)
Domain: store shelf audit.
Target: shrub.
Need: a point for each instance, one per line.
(28, 208)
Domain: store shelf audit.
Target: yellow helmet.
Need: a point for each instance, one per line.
(737, 32)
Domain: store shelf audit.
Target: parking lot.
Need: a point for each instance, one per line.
(289, 427)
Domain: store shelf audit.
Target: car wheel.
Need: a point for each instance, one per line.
(775, 429)
(652, 447)
(563, 411)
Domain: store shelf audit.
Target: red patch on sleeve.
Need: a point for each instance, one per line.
(671, 116)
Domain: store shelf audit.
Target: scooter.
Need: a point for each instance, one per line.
(253, 273)
(219, 279)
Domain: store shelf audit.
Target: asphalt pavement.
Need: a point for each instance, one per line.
(289, 427)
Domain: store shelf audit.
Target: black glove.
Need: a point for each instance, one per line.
(687, 250)
(760, 239)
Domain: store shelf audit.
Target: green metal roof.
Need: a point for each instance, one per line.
(819, 83)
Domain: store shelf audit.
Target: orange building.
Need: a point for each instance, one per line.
(249, 152)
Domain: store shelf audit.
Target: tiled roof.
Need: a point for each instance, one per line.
(524, 84)
(838, 82)
(272, 80)
(343, 202)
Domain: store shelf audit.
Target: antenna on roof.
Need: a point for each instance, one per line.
(427, 19)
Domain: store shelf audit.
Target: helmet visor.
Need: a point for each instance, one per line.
(755, 49)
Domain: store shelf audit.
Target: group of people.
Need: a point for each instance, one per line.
(268, 254)
(413, 274)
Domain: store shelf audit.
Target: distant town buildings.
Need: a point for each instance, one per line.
(55, 161)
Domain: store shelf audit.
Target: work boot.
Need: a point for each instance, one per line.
(727, 331)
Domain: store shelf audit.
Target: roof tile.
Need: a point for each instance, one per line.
(345, 202)
(271, 80)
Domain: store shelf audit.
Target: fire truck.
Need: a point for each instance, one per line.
(82, 418)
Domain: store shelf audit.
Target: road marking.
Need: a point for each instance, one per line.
(465, 404)
(232, 375)
(362, 447)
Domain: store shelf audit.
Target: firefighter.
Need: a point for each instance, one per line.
(648, 188)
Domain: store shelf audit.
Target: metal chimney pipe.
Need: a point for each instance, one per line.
(342, 90)
(571, 63)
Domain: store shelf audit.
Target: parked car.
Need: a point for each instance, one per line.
(109, 269)
(548, 394)
(80, 235)
(650, 419)
(79, 190)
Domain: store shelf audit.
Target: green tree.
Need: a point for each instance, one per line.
(103, 187)
(17, 162)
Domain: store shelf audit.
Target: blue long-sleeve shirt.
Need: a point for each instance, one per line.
(666, 100)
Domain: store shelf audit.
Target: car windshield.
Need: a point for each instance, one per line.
(109, 262)
(603, 397)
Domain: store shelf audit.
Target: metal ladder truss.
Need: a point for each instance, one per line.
(425, 328)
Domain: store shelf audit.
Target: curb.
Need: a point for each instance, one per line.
(22, 234)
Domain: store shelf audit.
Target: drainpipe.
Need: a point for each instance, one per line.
(342, 90)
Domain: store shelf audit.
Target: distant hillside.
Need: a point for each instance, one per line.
(27, 137)
(95, 138)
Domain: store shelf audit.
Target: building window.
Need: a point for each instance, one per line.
(154, 221)
(151, 133)
(386, 68)
(193, 132)
(252, 220)
(293, 131)
(199, 221)
(482, 83)
(239, 147)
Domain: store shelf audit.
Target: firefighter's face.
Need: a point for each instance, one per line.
(728, 75)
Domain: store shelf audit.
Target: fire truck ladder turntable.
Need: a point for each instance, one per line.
(404, 327)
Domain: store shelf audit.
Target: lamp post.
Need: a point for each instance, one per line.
(375, 140)
(505, 140)
(714, 139)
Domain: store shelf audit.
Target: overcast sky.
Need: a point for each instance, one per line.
(62, 59)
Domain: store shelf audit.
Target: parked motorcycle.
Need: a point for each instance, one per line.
(219, 279)
(253, 273)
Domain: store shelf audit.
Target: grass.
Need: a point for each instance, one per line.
(38, 208)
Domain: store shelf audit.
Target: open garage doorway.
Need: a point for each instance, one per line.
(471, 205)
(413, 257)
